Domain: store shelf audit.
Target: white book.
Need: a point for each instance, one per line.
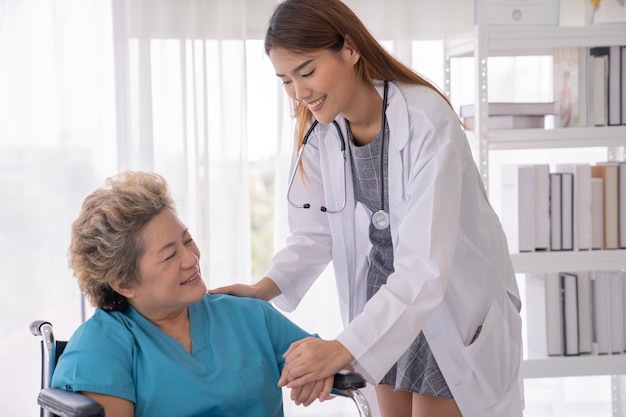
(599, 89)
(569, 302)
(623, 75)
(616, 312)
(601, 325)
(544, 315)
(622, 200)
(582, 203)
(512, 109)
(614, 116)
(597, 213)
(585, 321)
(556, 225)
(608, 171)
(623, 278)
(518, 206)
(510, 122)
(567, 211)
(542, 207)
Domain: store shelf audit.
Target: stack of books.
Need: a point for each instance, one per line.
(511, 115)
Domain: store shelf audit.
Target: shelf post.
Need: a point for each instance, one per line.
(481, 100)
(618, 388)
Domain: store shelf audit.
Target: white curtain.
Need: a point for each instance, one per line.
(181, 87)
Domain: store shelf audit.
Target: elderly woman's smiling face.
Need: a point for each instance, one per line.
(169, 271)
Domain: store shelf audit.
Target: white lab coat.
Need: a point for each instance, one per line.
(452, 270)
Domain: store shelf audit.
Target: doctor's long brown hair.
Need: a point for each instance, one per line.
(304, 26)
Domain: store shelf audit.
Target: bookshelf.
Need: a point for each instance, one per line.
(484, 42)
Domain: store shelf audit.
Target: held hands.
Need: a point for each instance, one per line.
(310, 366)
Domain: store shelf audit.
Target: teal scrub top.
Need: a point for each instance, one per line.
(237, 348)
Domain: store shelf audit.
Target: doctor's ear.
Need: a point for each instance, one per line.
(351, 49)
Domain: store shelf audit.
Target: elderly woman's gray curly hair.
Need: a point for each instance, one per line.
(106, 240)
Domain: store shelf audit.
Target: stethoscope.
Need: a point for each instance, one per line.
(380, 219)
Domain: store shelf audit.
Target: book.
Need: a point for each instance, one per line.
(616, 312)
(556, 221)
(567, 211)
(585, 320)
(542, 207)
(623, 83)
(544, 315)
(614, 98)
(569, 310)
(600, 309)
(518, 206)
(608, 171)
(597, 213)
(599, 86)
(510, 122)
(582, 203)
(512, 109)
(622, 204)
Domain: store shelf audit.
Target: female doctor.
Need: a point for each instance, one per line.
(385, 187)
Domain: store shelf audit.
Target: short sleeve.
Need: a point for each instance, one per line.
(98, 358)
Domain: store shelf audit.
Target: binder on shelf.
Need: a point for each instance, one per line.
(601, 314)
(597, 213)
(569, 307)
(585, 321)
(518, 206)
(608, 171)
(614, 116)
(544, 315)
(599, 75)
(556, 220)
(582, 203)
(542, 207)
(567, 211)
(616, 312)
(623, 82)
(622, 205)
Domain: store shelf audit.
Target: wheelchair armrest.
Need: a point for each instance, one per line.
(348, 380)
(68, 404)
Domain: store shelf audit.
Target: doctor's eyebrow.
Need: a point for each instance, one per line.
(298, 68)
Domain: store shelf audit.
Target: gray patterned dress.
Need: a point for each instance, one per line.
(416, 370)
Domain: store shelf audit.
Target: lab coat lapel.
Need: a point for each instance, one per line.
(341, 224)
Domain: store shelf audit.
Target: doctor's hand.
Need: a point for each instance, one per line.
(311, 359)
(265, 289)
(317, 390)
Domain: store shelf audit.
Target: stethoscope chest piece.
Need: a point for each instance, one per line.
(380, 219)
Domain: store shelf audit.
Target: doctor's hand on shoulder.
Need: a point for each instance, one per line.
(265, 289)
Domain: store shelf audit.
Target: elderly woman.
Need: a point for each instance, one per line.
(158, 344)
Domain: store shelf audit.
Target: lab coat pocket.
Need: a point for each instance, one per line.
(495, 354)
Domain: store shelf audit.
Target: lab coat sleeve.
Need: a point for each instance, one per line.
(307, 252)
(423, 248)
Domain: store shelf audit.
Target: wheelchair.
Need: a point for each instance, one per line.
(58, 402)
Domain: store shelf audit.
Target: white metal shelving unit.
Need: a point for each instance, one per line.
(487, 41)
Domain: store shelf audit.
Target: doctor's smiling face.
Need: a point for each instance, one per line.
(323, 81)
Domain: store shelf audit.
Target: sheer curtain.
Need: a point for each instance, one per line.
(181, 87)
(56, 144)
